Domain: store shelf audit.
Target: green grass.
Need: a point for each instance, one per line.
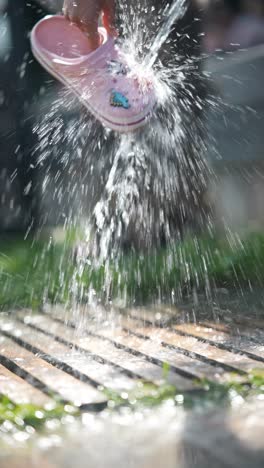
(32, 272)
(18, 416)
(206, 394)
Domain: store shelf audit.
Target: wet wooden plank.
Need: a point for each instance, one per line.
(55, 379)
(152, 349)
(255, 353)
(227, 353)
(165, 315)
(190, 343)
(19, 391)
(131, 348)
(183, 374)
(103, 373)
(105, 349)
(248, 342)
(162, 314)
(100, 314)
(239, 363)
(250, 332)
(208, 362)
(200, 369)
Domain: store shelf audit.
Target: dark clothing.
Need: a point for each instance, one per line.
(20, 81)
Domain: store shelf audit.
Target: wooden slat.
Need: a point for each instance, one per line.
(19, 391)
(194, 366)
(55, 379)
(105, 371)
(210, 350)
(162, 314)
(216, 338)
(210, 364)
(99, 315)
(158, 314)
(199, 369)
(225, 353)
(131, 347)
(251, 333)
(165, 315)
(152, 350)
(104, 374)
(196, 344)
(237, 361)
(223, 334)
(138, 364)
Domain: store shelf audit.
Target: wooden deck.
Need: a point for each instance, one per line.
(74, 356)
(41, 354)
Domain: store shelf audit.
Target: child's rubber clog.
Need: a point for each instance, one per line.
(101, 78)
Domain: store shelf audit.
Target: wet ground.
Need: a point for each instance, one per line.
(158, 438)
(40, 352)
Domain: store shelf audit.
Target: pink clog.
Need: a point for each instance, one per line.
(101, 79)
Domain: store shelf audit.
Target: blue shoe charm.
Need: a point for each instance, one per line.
(119, 100)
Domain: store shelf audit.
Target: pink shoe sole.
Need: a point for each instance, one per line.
(101, 79)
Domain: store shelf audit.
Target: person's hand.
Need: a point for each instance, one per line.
(85, 13)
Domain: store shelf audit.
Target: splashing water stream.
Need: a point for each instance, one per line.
(139, 189)
(173, 14)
